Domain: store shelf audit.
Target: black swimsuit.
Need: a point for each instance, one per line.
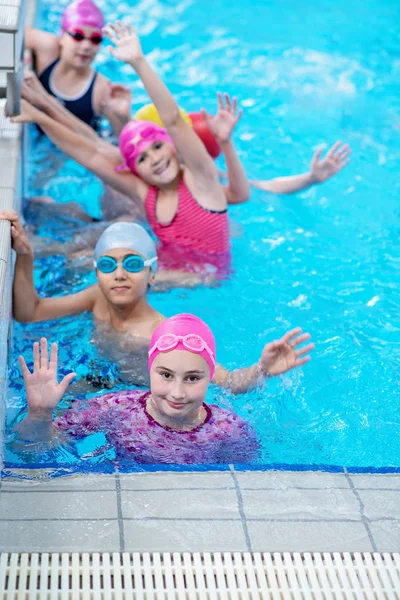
(81, 106)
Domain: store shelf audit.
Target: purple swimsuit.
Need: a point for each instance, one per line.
(222, 438)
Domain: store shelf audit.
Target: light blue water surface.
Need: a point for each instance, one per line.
(326, 260)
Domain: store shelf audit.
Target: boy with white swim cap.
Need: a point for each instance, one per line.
(126, 265)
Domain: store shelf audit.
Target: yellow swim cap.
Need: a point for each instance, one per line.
(150, 113)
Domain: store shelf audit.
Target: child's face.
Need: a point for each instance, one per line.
(121, 287)
(158, 164)
(79, 54)
(178, 381)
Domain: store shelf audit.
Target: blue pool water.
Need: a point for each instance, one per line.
(326, 260)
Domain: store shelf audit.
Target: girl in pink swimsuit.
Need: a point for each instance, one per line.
(185, 204)
(169, 424)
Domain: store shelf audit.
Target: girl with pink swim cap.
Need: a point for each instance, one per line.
(171, 423)
(185, 205)
(63, 65)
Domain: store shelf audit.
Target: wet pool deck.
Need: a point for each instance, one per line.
(213, 511)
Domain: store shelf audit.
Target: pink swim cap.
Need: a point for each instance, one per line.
(134, 139)
(184, 332)
(82, 13)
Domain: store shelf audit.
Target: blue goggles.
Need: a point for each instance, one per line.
(131, 263)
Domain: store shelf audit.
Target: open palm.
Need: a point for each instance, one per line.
(43, 392)
(335, 160)
(282, 355)
(222, 125)
(127, 45)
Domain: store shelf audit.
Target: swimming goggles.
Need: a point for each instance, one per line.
(131, 263)
(78, 35)
(148, 133)
(191, 341)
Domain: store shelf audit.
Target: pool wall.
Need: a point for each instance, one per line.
(11, 186)
(13, 150)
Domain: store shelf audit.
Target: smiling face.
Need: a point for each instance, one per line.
(79, 54)
(178, 381)
(158, 164)
(120, 287)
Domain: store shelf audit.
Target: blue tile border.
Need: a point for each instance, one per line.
(121, 467)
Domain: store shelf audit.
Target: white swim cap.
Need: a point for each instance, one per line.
(127, 235)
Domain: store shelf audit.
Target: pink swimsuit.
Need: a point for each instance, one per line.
(122, 416)
(193, 228)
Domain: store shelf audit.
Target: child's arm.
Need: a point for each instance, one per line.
(27, 306)
(84, 152)
(190, 147)
(43, 44)
(321, 170)
(33, 91)
(43, 393)
(277, 358)
(222, 126)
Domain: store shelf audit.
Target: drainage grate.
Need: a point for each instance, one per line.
(202, 576)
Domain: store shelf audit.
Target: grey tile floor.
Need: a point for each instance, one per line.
(224, 511)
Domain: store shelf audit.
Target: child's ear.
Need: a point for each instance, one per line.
(151, 279)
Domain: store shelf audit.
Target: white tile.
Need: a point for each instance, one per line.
(376, 480)
(287, 479)
(6, 197)
(69, 482)
(180, 536)
(8, 172)
(58, 505)
(180, 504)
(301, 504)
(59, 536)
(163, 481)
(378, 504)
(308, 537)
(386, 535)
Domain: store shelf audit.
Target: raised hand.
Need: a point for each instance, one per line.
(20, 242)
(127, 45)
(119, 100)
(336, 158)
(282, 355)
(223, 124)
(43, 392)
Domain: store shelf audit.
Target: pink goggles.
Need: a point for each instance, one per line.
(191, 341)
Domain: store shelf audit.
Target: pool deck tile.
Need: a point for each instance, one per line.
(170, 481)
(376, 481)
(59, 536)
(386, 535)
(58, 505)
(265, 511)
(178, 536)
(181, 504)
(75, 483)
(288, 479)
(308, 537)
(378, 504)
(321, 504)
